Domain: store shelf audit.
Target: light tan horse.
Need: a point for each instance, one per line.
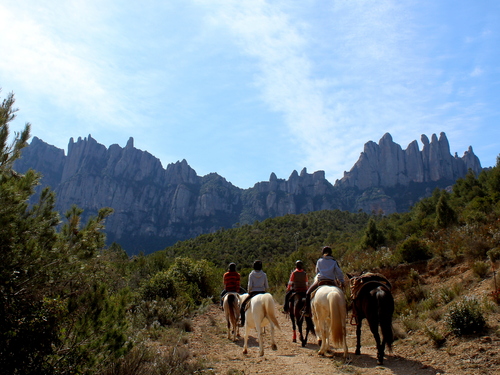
(231, 305)
(329, 315)
(260, 313)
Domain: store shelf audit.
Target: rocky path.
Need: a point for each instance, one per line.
(209, 342)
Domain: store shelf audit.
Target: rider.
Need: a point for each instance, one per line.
(328, 273)
(231, 281)
(257, 284)
(298, 283)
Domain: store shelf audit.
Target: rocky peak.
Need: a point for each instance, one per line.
(386, 165)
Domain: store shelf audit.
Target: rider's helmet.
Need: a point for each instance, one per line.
(299, 265)
(232, 267)
(257, 265)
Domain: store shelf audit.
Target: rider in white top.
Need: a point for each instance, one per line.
(328, 272)
(257, 284)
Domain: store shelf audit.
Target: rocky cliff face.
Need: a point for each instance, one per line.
(386, 164)
(155, 207)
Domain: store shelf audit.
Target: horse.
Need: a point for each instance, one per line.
(329, 313)
(374, 301)
(260, 313)
(231, 306)
(295, 306)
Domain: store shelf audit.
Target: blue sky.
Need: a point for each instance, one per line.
(245, 88)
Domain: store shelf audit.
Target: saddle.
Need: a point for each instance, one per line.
(358, 282)
(323, 283)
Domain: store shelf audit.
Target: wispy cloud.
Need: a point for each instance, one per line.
(54, 53)
(365, 47)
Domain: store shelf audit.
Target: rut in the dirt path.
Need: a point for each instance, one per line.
(209, 341)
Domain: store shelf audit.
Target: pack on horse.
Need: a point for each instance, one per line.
(231, 306)
(295, 306)
(329, 314)
(260, 312)
(372, 299)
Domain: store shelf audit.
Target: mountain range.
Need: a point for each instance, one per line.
(155, 207)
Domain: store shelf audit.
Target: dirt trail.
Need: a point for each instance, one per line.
(209, 341)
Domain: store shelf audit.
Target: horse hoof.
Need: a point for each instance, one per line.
(274, 347)
(304, 344)
(245, 351)
(294, 340)
(261, 354)
(357, 352)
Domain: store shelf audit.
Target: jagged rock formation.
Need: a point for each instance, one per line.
(155, 207)
(387, 165)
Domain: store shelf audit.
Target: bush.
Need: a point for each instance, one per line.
(480, 269)
(436, 337)
(414, 249)
(466, 317)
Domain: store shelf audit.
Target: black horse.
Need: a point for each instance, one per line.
(373, 300)
(295, 306)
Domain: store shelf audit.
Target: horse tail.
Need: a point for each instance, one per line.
(338, 314)
(385, 311)
(232, 303)
(269, 311)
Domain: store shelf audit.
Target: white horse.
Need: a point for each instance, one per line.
(329, 315)
(259, 314)
(231, 305)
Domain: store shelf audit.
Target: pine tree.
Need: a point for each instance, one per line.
(58, 313)
(373, 237)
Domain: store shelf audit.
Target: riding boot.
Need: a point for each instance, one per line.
(242, 315)
(285, 306)
(306, 311)
(242, 321)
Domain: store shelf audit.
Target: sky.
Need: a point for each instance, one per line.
(246, 88)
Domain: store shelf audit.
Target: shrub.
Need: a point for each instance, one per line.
(414, 249)
(480, 269)
(466, 317)
(436, 337)
(410, 321)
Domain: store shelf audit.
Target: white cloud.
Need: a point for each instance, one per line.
(477, 72)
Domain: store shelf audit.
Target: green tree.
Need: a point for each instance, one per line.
(373, 237)
(57, 314)
(445, 215)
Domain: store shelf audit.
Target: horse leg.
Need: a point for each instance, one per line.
(245, 341)
(299, 327)
(323, 339)
(380, 350)
(259, 337)
(359, 321)
(294, 327)
(229, 331)
(236, 325)
(273, 343)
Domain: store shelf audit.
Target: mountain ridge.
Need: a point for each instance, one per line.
(155, 207)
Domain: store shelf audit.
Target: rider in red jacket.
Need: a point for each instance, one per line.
(298, 282)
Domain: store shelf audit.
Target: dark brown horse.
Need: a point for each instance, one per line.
(295, 306)
(373, 300)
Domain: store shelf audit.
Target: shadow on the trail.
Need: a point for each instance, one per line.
(397, 364)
